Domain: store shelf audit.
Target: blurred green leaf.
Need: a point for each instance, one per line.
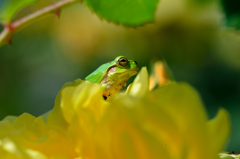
(126, 12)
(232, 12)
(9, 7)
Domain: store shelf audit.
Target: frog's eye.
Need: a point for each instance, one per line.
(123, 61)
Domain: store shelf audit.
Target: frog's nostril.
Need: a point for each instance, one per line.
(135, 62)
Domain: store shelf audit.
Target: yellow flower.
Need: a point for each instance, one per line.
(29, 137)
(168, 122)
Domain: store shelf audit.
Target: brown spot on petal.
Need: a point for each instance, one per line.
(105, 98)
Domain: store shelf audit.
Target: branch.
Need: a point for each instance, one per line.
(10, 29)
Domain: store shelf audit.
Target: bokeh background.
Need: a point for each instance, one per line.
(198, 39)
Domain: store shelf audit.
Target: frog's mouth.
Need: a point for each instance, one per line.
(111, 69)
(131, 71)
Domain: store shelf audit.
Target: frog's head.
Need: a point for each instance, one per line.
(123, 69)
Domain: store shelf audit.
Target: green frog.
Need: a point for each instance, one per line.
(112, 76)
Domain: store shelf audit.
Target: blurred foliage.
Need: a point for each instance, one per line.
(189, 35)
(10, 7)
(232, 12)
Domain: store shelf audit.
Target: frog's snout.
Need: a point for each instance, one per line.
(136, 66)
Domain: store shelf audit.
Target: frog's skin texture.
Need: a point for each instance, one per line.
(113, 75)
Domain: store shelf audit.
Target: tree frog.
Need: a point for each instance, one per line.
(112, 76)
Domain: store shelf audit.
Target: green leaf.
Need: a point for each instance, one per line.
(126, 12)
(9, 7)
(232, 12)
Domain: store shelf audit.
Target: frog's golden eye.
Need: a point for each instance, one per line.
(123, 61)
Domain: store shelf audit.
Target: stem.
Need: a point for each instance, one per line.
(10, 29)
(4, 36)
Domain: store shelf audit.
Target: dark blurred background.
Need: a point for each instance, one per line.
(198, 39)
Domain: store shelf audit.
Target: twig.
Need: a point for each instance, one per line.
(10, 29)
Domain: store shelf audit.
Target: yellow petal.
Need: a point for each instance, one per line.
(5, 128)
(89, 106)
(139, 87)
(85, 95)
(127, 132)
(55, 117)
(10, 150)
(182, 101)
(185, 107)
(219, 131)
(152, 82)
(31, 137)
(10, 118)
